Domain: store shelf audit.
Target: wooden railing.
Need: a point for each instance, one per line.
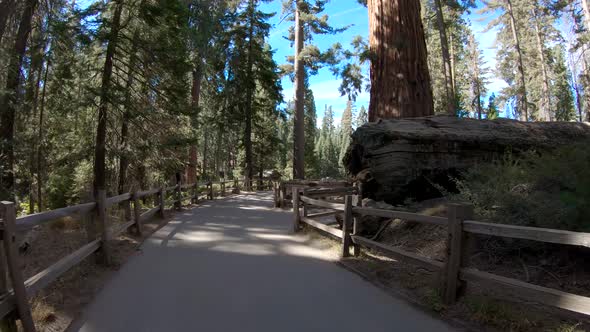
(452, 271)
(16, 299)
(286, 187)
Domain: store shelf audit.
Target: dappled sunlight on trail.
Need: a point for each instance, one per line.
(233, 266)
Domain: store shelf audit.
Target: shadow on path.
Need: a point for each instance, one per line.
(231, 265)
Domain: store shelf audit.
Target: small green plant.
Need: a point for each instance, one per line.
(542, 190)
(568, 327)
(433, 299)
(490, 312)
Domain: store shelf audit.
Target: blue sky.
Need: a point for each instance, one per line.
(342, 13)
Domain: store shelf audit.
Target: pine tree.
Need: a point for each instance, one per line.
(564, 105)
(345, 132)
(307, 23)
(492, 109)
(362, 117)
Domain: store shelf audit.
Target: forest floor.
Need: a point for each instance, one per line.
(480, 309)
(55, 307)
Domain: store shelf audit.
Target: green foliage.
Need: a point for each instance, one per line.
(492, 109)
(490, 312)
(550, 190)
(564, 106)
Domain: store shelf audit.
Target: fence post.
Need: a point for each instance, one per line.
(456, 213)
(14, 266)
(102, 217)
(356, 201)
(178, 195)
(194, 193)
(222, 187)
(305, 206)
(136, 214)
(297, 216)
(8, 322)
(346, 225)
(162, 199)
(283, 193)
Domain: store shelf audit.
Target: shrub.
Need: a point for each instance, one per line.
(541, 190)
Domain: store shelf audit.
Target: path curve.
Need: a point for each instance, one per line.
(231, 265)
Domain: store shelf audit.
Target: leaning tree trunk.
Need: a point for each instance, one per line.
(8, 101)
(523, 107)
(299, 116)
(546, 97)
(446, 58)
(395, 160)
(101, 131)
(400, 82)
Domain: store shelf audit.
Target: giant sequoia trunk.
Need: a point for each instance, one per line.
(400, 82)
(413, 158)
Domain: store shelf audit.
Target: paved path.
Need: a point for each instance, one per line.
(230, 265)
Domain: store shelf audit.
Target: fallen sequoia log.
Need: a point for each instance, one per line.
(393, 160)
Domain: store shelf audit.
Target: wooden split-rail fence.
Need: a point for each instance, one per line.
(459, 222)
(14, 300)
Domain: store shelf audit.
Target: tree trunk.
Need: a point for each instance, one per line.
(6, 9)
(248, 106)
(545, 114)
(124, 143)
(523, 102)
(475, 83)
(453, 67)
(40, 138)
(195, 96)
(444, 43)
(400, 82)
(299, 116)
(414, 158)
(101, 131)
(8, 102)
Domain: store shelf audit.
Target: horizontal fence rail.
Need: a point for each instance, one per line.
(458, 222)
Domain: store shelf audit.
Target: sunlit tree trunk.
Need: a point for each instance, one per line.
(523, 102)
(545, 113)
(400, 81)
(444, 43)
(299, 116)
